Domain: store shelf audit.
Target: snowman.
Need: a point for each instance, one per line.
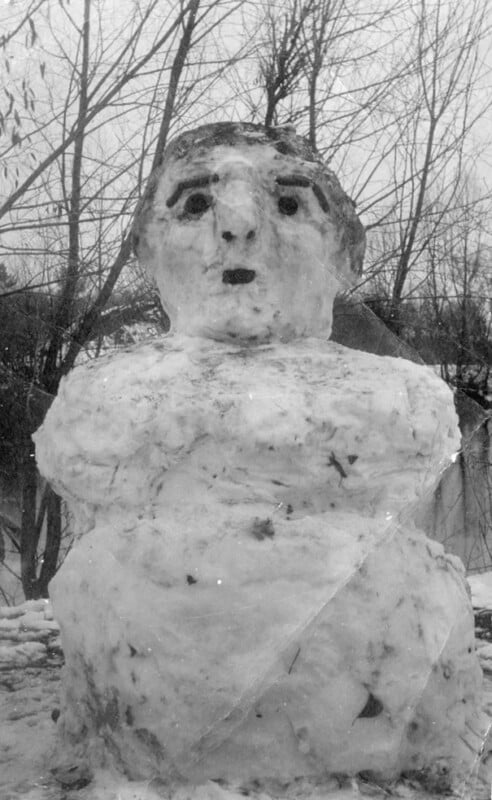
(249, 601)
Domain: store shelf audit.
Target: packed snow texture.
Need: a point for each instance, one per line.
(250, 599)
(29, 701)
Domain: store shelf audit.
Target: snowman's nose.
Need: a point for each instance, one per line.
(238, 215)
(229, 236)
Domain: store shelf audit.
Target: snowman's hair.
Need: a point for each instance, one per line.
(283, 138)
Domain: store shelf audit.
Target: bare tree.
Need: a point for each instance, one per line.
(281, 61)
(325, 66)
(17, 24)
(434, 118)
(455, 297)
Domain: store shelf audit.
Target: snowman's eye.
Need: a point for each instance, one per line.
(288, 205)
(197, 203)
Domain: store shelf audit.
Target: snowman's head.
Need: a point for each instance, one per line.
(247, 234)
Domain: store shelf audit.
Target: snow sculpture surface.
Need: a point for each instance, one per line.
(251, 602)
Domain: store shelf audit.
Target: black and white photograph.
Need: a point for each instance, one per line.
(245, 400)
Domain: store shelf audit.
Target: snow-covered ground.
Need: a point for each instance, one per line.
(30, 661)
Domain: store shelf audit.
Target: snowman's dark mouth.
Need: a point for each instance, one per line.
(240, 275)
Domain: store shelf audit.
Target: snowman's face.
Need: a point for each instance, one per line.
(243, 245)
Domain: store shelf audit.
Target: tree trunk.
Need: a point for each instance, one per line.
(53, 541)
(32, 523)
(29, 532)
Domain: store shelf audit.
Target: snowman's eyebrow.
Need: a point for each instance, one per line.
(301, 180)
(292, 180)
(197, 182)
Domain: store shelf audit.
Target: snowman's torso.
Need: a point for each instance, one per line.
(262, 595)
(309, 427)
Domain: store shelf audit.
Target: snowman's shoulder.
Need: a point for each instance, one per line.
(315, 358)
(362, 383)
(125, 375)
(104, 393)
(346, 360)
(109, 409)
